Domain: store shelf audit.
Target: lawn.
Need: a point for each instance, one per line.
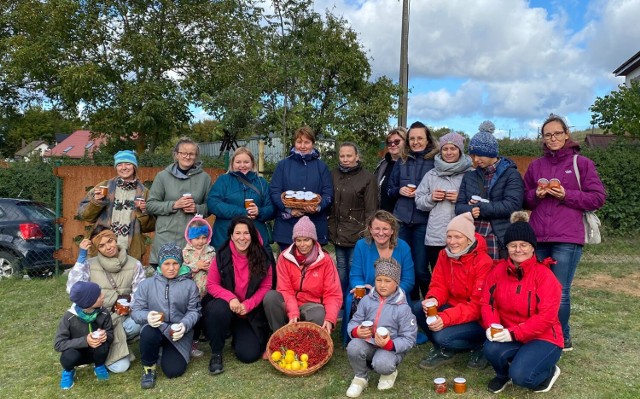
(604, 364)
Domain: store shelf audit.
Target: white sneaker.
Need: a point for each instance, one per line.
(357, 386)
(552, 381)
(387, 381)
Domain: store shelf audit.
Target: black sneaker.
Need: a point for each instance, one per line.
(148, 380)
(477, 360)
(435, 358)
(548, 383)
(568, 345)
(215, 364)
(498, 384)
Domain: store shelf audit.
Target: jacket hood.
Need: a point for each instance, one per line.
(314, 154)
(195, 169)
(570, 147)
(198, 218)
(397, 298)
(183, 272)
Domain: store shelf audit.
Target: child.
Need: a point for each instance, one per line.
(75, 338)
(386, 306)
(198, 255)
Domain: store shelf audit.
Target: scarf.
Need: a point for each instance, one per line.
(115, 264)
(87, 318)
(454, 168)
(344, 169)
(126, 185)
(465, 251)
(308, 259)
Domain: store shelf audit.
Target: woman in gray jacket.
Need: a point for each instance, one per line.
(168, 306)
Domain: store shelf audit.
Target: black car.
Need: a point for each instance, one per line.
(27, 238)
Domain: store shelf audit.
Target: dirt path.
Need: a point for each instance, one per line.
(630, 285)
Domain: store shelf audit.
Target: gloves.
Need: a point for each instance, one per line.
(487, 334)
(154, 319)
(502, 336)
(180, 333)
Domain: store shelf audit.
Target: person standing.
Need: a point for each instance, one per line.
(396, 142)
(556, 212)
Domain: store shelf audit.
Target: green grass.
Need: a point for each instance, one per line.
(606, 334)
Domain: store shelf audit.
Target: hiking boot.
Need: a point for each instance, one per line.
(387, 381)
(148, 377)
(195, 352)
(477, 359)
(435, 358)
(498, 384)
(67, 379)
(357, 386)
(548, 383)
(215, 364)
(101, 372)
(568, 345)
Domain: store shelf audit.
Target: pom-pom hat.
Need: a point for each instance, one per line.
(520, 229)
(484, 144)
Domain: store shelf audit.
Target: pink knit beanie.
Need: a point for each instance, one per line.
(305, 228)
(464, 224)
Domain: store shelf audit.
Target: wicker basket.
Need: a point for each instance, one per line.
(298, 203)
(289, 328)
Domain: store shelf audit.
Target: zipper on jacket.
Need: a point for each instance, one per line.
(529, 304)
(375, 320)
(166, 296)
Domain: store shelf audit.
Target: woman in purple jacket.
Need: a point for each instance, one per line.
(556, 215)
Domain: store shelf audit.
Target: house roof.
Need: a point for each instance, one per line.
(76, 144)
(599, 140)
(26, 150)
(60, 137)
(628, 66)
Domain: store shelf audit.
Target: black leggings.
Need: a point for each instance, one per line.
(151, 340)
(71, 358)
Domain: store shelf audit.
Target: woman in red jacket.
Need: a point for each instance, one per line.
(456, 289)
(308, 287)
(523, 296)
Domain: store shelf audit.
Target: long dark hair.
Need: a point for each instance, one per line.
(258, 260)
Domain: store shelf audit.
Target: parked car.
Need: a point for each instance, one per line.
(27, 238)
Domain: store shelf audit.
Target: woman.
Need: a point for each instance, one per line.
(381, 241)
(118, 276)
(302, 170)
(395, 141)
(556, 215)
(355, 200)
(239, 278)
(230, 192)
(177, 194)
(308, 285)
(406, 176)
(168, 306)
(456, 290)
(438, 192)
(124, 208)
(497, 181)
(523, 296)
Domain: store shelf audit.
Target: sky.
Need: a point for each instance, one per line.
(509, 61)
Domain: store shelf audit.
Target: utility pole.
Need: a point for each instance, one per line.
(404, 66)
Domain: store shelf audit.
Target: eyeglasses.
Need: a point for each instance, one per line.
(394, 143)
(555, 135)
(384, 230)
(187, 154)
(523, 246)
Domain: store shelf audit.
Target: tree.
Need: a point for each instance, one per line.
(619, 111)
(37, 124)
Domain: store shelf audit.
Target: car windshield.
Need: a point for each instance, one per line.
(35, 211)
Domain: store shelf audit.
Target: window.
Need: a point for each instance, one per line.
(67, 149)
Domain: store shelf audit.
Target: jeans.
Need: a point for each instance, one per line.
(344, 256)
(459, 337)
(528, 365)
(172, 363)
(414, 234)
(131, 328)
(567, 255)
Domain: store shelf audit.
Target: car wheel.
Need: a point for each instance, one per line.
(9, 264)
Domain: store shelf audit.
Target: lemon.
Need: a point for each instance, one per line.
(289, 358)
(296, 365)
(304, 357)
(304, 366)
(275, 356)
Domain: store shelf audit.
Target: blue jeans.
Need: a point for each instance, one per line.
(344, 256)
(528, 365)
(414, 234)
(459, 337)
(567, 256)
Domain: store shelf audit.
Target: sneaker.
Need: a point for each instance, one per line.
(421, 338)
(387, 381)
(548, 383)
(357, 386)
(498, 384)
(215, 364)
(148, 377)
(568, 345)
(195, 352)
(67, 379)
(435, 358)
(477, 360)
(101, 372)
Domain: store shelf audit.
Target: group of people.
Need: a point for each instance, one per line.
(436, 238)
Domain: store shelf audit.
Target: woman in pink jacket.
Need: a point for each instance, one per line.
(522, 295)
(308, 284)
(556, 211)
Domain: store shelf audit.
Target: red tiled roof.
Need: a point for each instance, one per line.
(76, 145)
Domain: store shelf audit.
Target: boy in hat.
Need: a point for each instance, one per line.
(386, 306)
(84, 334)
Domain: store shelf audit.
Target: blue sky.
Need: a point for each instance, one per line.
(510, 61)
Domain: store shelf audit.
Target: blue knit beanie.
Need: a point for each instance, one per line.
(84, 294)
(169, 250)
(483, 143)
(125, 156)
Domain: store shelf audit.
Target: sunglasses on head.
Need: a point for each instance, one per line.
(395, 142)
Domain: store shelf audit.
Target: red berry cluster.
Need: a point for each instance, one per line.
(303, 340)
